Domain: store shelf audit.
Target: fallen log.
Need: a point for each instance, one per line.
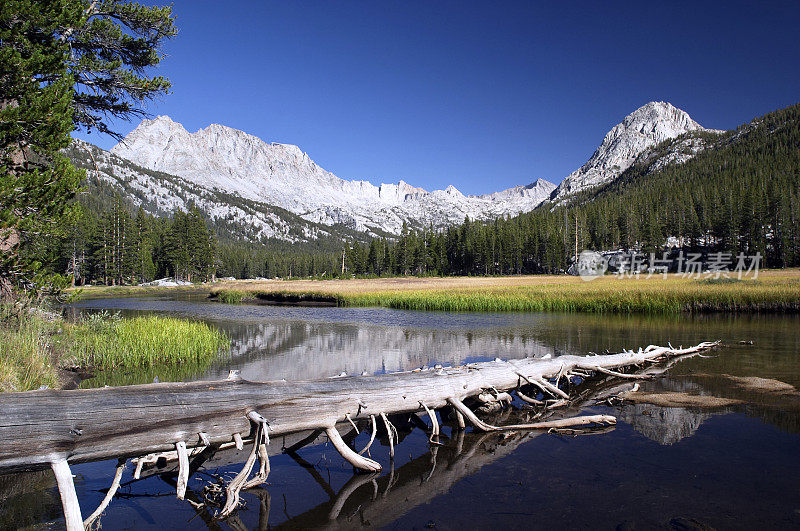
(53, 428)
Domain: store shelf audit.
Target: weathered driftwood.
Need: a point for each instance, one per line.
(53, 428)
(69, 498)
(109, 495)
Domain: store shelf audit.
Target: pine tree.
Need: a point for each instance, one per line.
(64, 63)
(35, 120)
(144, 267)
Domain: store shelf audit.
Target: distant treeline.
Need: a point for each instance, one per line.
(115, 246)
(741, 195)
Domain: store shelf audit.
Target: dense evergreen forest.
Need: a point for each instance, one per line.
(117, 246)
(741, 194)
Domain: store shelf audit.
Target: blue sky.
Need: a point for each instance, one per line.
(480, 95)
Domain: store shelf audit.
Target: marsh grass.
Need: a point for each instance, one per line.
(233, 296)
(774, 291)
(26, 353)
(144, 342)
(33, 346)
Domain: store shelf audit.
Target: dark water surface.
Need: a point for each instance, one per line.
(661, 467)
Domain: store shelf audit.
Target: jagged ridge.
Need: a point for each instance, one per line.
(272, 190)
(230, 160)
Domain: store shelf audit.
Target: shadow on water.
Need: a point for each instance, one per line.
(662, 467)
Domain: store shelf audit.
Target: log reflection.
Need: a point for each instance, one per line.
(373, 500)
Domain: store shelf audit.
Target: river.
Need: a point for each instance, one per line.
(661, 467)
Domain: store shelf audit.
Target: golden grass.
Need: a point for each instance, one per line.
(773, 291)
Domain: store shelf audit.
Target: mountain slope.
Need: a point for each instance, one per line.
(739, 193)
(160, 194)
(230, 161)
(638, 132)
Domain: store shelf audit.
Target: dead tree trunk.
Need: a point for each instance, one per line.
(52, 428)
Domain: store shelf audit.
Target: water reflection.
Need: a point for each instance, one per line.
(375, 500)
(280, 342)
(296, 350)
(734, 466)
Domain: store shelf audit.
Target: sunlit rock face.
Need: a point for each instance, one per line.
(282, 175)
(640, 131)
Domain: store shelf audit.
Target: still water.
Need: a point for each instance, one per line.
(661, 467)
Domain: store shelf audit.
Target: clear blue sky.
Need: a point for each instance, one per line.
(478, 95)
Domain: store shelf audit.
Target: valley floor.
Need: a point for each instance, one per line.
(771, 291)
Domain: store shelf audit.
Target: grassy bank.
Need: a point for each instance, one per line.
(36, 346)
(773, 291)
(141, 342)
(28, 358)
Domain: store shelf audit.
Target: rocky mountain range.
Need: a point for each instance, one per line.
(270, 190)
(228, 160)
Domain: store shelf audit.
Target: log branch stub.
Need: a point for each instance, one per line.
(616, 374)
(358, 461)
(586, 420)
(264, 469)
(434, 423)
(69, 498)
(87, 524)
(371, 437)
(525, 398)
(236, 484)
(353, 424)
(462, 425)
(137, 473)
(183, 469)
(390, 430)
